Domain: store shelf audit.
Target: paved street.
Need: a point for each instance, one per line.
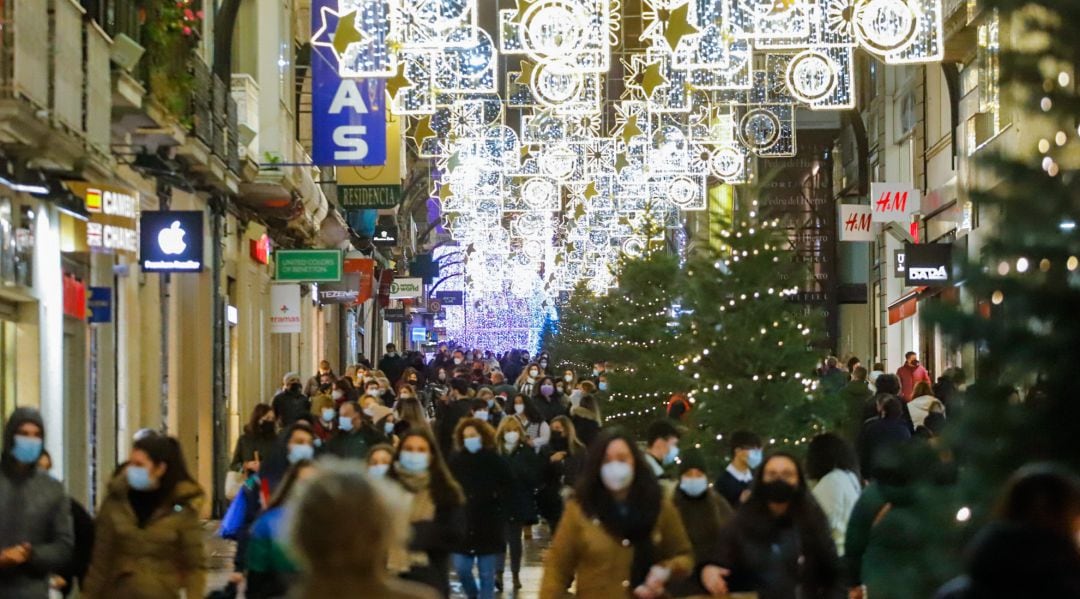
(221, 555)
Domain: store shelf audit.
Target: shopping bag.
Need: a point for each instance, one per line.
(233, 522)
(234, 481)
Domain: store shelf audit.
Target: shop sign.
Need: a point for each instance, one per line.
(365, 267)
(308, 266)
(285, 309)
(450, 298)
(395, 315)
(407, 288)
(114, 212)
(899, 269)
(894, 203)
(928, 264)
(171, 241)
(348, 115)
(434, 306)
(419, 334)
(385, 232)
(260, 249)
(74, 297)
(856, 222)
(440, 332)
(345, 291)
(100, 305)
(378, 197)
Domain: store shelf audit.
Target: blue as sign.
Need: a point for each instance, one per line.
(348, 115)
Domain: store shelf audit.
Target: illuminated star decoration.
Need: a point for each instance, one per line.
(675, 23)
(644, 75)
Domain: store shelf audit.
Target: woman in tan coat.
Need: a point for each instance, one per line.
(149, 542)
(620, 537)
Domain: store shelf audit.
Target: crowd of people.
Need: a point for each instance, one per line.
(384, 480)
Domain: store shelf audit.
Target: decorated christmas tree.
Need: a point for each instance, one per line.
(747, 344)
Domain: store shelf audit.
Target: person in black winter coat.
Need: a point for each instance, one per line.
(449, 410)
(779, 544)
(548, 400)
(562, 459)
(879, 435)
(83, 522)
(1030, 550)
(436, 515)
(489, 489)
(524, 464)
(586, 419)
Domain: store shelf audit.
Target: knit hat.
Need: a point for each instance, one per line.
(290, 377)
(690, 459)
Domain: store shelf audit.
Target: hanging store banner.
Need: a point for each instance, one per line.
(450, 298)
(407, 288)
(894, 202)
(395, 315)
(348, 116)
(100, 304)
(345, 291)
(285, 309)
(365, 267)
(899, 268)
(856, 223)
(114, 215)
(308, 266)
(928, 264)
(171, 241)
(378, 197)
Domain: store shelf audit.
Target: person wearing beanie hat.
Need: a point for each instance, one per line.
(36, 530)
(704, 512)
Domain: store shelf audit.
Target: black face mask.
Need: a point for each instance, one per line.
(266, 427)
(296, 387)
(777, 491)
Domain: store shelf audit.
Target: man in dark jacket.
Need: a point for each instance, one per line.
(355, 435)
(325, 376)
(449, 410)
(290, 403)
(36, 531)
(882, 434)
(746, 456)
(854, 397)
(392, 364)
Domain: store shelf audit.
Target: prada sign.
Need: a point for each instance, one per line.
(928, 264)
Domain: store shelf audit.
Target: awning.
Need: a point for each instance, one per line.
(908, 303)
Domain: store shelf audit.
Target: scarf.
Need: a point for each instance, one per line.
(421, 509)
(635, 524)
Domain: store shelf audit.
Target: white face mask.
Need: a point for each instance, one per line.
(519, 408)
(568, 378)
(337, 394)
(458, 361)
(481, 415)
(617, 476)
(511, 438)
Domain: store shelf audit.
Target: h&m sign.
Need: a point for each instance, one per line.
(894, 203)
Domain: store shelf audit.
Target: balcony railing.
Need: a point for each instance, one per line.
(211, 107)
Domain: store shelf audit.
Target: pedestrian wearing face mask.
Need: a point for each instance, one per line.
(537, 430)
(586, 419)
(356, 432)
(562, 460)
(411, 415)
(379, 460)
(324, 410)
(291, 402)
(704, 513)
(662, 447)
(529, 381)
(734, 483)
(778, 545)
(436, 512)
(271, 569)
(549, 401)
(294, 444)
(256, 442)
(488, 485)
(392, 363)
(149, 539)
(341, 392)
(524, 465)
(620, 537)
(388, 426)
(36, 530)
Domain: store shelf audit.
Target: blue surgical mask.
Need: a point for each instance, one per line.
(388, 428)
(138, 478)
(414, 461)
(672, 453)
(753, 458)
(345, 423)
(300, 452)
(602, 385)
(694, 487)
(491, 403)
(481, 415)
(473, 444)
(378, 470)
(26, 450)
(328, 414)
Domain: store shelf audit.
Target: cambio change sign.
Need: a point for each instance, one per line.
(348, 115)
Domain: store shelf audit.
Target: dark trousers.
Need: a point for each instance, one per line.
(513, 541)
(550, 505)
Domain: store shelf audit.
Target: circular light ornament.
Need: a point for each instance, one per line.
(886, 26)
(727, 163)
(760, 129)
(538, 193)
(771, 8)
(633, 247)
(553, 87)
(558, 162)
(811, 76)
(683, 192)
(554, 28)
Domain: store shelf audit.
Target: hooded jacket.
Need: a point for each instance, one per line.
(33, 509)
(152, 561)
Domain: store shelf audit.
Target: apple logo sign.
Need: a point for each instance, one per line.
(171, 240)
